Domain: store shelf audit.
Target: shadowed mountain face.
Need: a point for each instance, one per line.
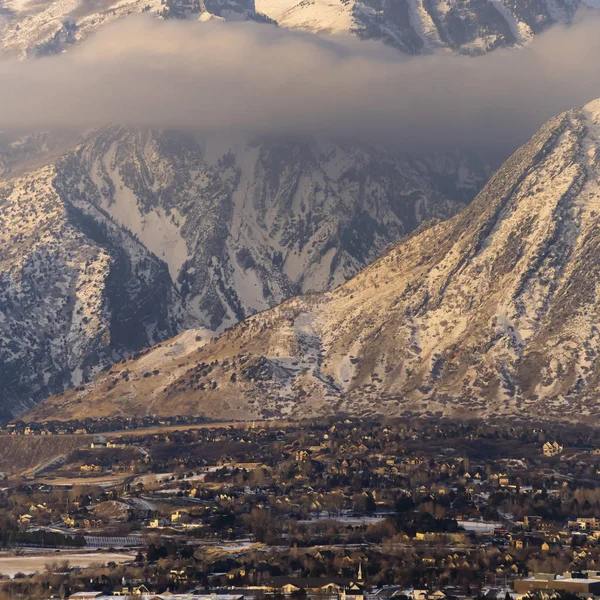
(69, 277)
(494, 311)
(243, 226)
(135, 235)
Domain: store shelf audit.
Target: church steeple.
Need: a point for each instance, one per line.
(360, 576)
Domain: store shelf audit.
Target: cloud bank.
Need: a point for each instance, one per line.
(244, 78)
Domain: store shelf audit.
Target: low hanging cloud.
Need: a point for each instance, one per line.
(244, 78)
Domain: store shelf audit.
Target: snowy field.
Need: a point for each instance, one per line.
(479, 526)
(10, 565)
(347, 519)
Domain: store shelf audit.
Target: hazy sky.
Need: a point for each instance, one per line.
(245, 78)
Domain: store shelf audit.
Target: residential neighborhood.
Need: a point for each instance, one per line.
(333, 509)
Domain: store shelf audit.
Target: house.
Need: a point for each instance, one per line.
(503, 480)
(25, 519)
(354, 591)
(178, 516)
(532, 521)
(68, 521)
(586, 524)
(315, 586)
(90, 468)
(553, 449)
(158, 522)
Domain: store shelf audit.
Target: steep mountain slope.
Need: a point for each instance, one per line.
(69, 281)
(243, 226)
(137, 234)
(495, 311)
(44, 27)
(424, 26)
(24, 152)
(31, 28)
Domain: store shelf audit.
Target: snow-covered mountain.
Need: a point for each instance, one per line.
(494, 311)
(76, 291)
(425, 26)
(23, 152)
(244, 225)
(30, 28)
(136, 234)
(42, 27)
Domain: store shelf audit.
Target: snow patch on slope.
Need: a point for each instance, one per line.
(159, 232)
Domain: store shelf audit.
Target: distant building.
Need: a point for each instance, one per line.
(553, 449)
(532, 521)
(543, 581)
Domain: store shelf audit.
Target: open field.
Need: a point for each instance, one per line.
(10, 565)
(103, 481)
(212, 425)
(24, 454)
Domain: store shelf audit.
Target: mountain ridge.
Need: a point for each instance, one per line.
(493, 311)
(413, 27)
(186, 233)
(425, 26)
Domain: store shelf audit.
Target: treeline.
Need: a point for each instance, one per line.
(44, 538)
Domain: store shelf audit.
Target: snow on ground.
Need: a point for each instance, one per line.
(346, 519)
(424, 26)
(345, 368)
(245, 229)
(244, 215)
(180, 346)
(479, 526)
(317, 279)
(521, 31)
(11, 565)
(249, 288)
(37, 26)
(152, 478)
(321, 16)
(17, 6)
(159, 232)
(237, 547)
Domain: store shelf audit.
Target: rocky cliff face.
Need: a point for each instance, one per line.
(135, 235)
(495, 311)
